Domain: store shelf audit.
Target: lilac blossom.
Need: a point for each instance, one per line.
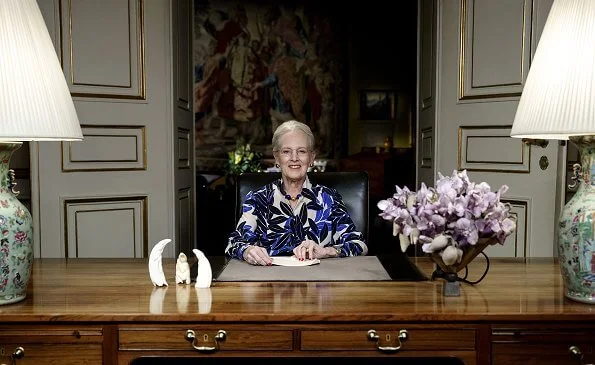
(457, 207)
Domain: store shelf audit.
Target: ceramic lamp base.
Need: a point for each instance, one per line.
(576, 234)
(16, 235)
(9, 299)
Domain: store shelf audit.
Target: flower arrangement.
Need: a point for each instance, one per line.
(455, 217)
(243, 159)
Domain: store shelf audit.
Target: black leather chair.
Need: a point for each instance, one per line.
(353, 187)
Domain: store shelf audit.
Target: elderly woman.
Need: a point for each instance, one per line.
(292, 216)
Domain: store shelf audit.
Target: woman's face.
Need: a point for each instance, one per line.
(294, 156)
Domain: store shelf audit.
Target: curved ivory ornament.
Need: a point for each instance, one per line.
(156, 264)
(205, 274)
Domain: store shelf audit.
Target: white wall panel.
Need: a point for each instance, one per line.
(482, 47)
(112, 66)
(105, 227)
(495, 54)
(490, 148)
(106, 148)
(128, 150)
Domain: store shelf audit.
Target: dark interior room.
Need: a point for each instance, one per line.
(337, 60)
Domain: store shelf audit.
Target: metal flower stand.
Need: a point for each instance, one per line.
(452, 285)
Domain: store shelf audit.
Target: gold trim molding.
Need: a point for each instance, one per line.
(71, 164)
(468, 91)
(143, 200)
(137, 90)
(491, 131)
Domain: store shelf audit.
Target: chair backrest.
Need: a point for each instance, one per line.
(353, 187)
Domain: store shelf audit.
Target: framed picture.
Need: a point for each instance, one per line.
(377, 105)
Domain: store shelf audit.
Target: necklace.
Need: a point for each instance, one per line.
(293, 198)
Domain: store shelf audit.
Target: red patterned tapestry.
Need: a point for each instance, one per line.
(257, 65)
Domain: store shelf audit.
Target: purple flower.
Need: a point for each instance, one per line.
(456, 207)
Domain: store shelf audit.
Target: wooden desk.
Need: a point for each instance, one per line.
(107, 311)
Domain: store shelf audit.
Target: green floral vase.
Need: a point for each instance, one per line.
(576, 234)
(16, 235)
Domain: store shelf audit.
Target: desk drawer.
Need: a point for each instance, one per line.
(541, 344)
(174, 338)
(52, 345)
(418, 339)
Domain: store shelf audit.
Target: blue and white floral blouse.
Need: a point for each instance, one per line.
(269, 221)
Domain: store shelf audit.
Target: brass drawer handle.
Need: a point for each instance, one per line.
(191, 337)
(576, 352)
(373, 336)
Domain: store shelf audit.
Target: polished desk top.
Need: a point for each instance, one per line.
(106, 290)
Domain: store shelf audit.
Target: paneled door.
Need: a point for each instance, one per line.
(110, 195)
(183, 126)
(483, 52)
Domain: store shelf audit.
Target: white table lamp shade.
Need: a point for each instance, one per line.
(35, 102)
(558, 99)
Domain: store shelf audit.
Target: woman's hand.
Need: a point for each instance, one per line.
(256, 255)
(308, 250)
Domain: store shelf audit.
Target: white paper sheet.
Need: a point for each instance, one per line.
(292, 261)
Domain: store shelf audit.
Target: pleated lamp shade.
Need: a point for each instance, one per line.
(558, 99)
(35, 102)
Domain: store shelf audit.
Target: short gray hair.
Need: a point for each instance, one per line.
(289, 126)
